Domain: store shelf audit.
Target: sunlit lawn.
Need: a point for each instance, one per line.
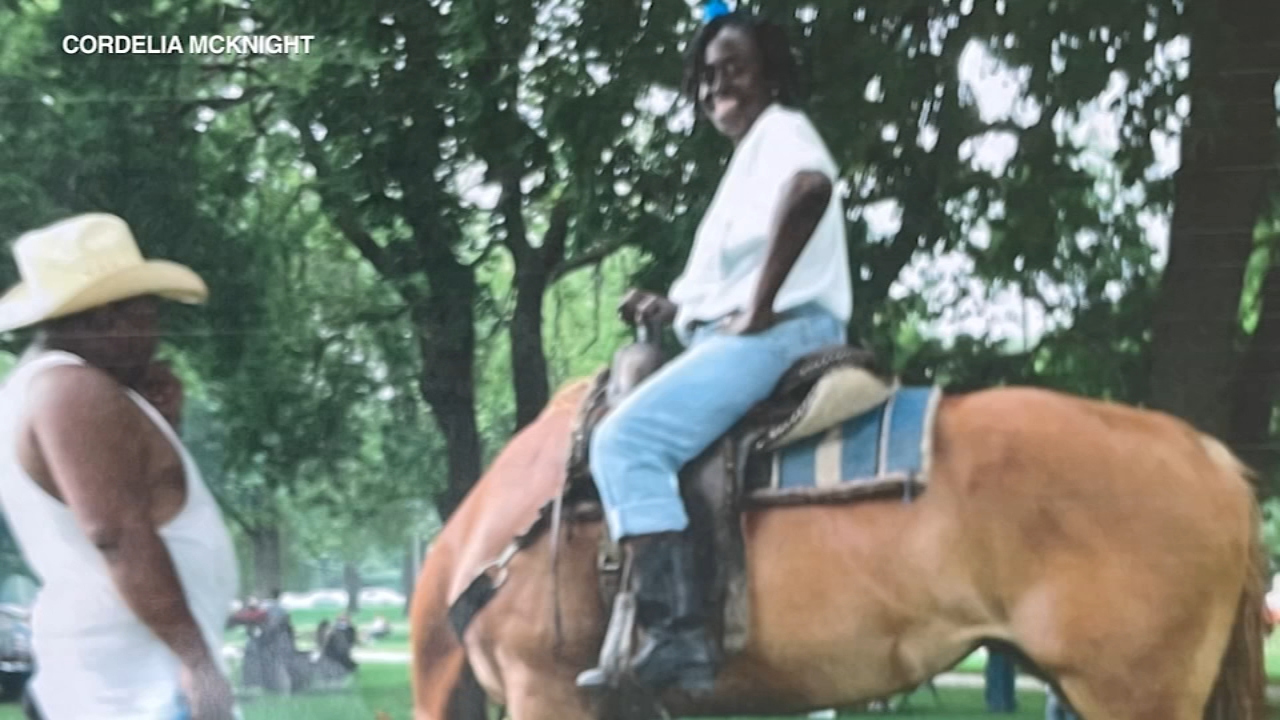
(381, 687)
(384, 687)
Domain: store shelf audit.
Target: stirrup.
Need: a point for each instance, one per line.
(597, 679)
(615, 653)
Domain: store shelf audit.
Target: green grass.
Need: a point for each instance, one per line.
(381, 687)
(384, 687)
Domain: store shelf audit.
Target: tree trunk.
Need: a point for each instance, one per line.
(447, 341)
(528, 356)
(268, 572)
(351, 582)
(1229, 154)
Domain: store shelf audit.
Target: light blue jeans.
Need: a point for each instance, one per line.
(670, 418)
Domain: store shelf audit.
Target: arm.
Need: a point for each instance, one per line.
(87, 431)
(804, 200)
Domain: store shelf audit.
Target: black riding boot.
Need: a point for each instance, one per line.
(676, 649)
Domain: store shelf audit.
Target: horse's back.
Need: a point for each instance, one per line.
(1092, 447)
(1048, 477)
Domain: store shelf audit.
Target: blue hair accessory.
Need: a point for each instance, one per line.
(712, 9)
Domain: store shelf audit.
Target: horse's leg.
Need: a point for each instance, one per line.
(535, 693)
(1139, 665)
(1139, 684)
(1093, 695)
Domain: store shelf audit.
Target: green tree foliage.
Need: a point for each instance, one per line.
(419, 230)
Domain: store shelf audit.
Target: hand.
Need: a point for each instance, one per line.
(163, 390)
(641, 306)
(208, 692)
(749, 323)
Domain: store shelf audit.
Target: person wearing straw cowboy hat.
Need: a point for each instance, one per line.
(136, 565)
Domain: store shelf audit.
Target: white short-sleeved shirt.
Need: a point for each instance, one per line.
(732, 241)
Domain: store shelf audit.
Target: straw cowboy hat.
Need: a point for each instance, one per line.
(84, 262)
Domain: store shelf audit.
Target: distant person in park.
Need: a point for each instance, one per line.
(277, 620)
(136, 564)
(271, 658)
(1001, 676)
(766, 283)
(277, 644)
(379, 628)
(345, 627)
(339, 643)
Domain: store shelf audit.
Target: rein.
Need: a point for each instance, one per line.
(550, 518)
(494, 574)
(557, 518)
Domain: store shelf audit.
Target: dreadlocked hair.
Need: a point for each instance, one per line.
(777, 61)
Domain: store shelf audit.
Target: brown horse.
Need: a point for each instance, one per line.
(1116, 548)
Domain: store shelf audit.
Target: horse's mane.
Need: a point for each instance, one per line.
(569, 395)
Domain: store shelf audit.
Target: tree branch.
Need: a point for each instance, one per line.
(228, 510)
(224, 103)
(379, 199)
(373, 317)
(586, 259)
(341, 210)
(511, 211)
(483, 255)
(553, 242)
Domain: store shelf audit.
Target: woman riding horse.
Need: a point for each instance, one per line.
(767, 282)
(1116, 549)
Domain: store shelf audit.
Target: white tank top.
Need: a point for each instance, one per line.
(95, 658)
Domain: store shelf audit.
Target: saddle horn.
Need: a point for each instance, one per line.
(637, 361)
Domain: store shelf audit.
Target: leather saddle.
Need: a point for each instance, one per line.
(819, 391)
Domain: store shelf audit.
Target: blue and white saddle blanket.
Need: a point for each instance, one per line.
(884, 449)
